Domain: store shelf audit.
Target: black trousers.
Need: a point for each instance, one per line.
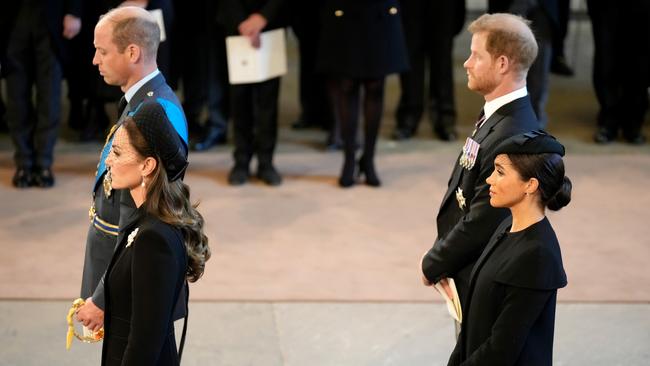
(429, 32)
(204, 66)
(255, 120)
(313, 92)
(621, 71)
(31, 61)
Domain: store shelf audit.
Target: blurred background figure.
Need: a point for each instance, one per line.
(254, 105)
(36, 49)
(621, 69)
(544, 17)
(429, 28)
(361, 43)
(201, 55)
(315, 112)
(559, 64)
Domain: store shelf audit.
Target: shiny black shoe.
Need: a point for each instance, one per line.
(22, 178)
(634, 139)
(302, 124)
(401, 134)
(43, 178)
(446, 133)
(346, 180)
(367, 168)
(559, 66)
(211, 138)
(604, 136)
(268, 175)
(238, 175)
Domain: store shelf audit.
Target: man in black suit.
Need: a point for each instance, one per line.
(254, 105)
(503, 48)
(126, 42)
(36, 47)
(429, 29)
(621, 73)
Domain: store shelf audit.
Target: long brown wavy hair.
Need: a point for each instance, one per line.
(170, 202)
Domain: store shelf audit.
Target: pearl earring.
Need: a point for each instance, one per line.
(142, 184)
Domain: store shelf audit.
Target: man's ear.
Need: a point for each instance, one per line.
(503, 64)
(134, 52)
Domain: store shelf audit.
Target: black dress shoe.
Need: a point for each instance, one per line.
(367, 168)
(211, 138)
(268, 175)
(43, 178)
(238, 175)
(446, 133)
(401, 134)
(22, 178)
(302, 124)
(635, 138)
(604, 136)
(559, 66)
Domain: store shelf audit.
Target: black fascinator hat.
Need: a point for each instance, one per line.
(533, 142)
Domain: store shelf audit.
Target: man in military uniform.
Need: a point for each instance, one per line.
(126, 42)
(502, 50)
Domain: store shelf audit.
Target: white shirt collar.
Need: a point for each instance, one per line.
(135, 87)
(490, 107)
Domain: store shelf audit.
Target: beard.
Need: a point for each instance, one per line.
(482, 84)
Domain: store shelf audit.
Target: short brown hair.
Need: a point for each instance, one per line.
(508, 35)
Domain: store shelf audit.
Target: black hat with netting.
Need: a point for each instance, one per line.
(533, 142)
(162, 138)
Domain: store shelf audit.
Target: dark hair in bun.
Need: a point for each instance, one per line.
(548, 169)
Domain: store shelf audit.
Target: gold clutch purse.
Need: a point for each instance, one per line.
(88, 336)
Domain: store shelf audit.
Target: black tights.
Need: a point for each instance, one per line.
(347, 95)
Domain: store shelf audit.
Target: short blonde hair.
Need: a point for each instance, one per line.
(132, 25)
(508, 35)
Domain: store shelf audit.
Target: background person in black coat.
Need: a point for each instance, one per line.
(509, 315)
(163, 243)
(361, 42)
(429, 27)
(36, 48)
(255, 105)
(503, 48)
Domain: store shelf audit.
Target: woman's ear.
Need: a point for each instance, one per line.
(148, 166)
(532, 186)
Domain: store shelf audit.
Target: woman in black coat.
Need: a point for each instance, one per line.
(509, 315)
(361, 42)
(160, 247)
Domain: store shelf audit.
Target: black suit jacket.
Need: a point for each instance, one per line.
(463, 233)
(509, 315)
(145, 279)
(230, 13)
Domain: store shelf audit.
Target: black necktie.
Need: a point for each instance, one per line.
(120, 106)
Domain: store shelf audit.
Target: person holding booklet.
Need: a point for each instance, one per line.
(254, 105)
(510, 308)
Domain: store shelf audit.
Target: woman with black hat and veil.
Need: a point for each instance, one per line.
(163, 243)
(509, 314)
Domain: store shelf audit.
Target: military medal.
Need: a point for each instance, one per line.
(460, 198)
(107, 183)
(470, 153)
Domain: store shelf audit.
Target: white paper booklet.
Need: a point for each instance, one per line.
(453, 304)
(158, 15)
(247, 64)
